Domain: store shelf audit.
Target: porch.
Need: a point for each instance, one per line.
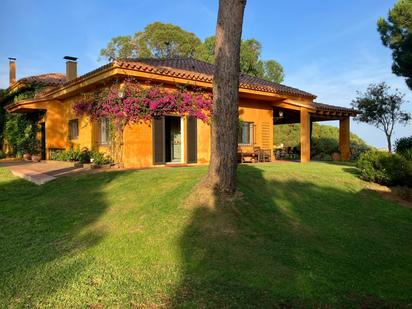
(315, 112)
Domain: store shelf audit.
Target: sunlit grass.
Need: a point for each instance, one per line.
(302, 235)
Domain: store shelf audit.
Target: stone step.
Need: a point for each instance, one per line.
(37, 178)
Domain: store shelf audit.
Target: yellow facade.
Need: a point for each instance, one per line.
(255, 107)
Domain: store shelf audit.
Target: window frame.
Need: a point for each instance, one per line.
(107, 134)
(71, 135)
(251, 129)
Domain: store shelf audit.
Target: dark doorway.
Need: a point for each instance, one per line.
(173, 139)
(43, 140)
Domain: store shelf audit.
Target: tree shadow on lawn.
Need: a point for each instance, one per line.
(294, 243)
(42, 230)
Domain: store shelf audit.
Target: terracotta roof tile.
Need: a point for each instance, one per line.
(334, 108)
(49, 79)
(203, 71)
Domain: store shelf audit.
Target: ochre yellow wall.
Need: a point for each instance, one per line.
(137, 148)
(203, 142)
(261, 114)
(86, 131)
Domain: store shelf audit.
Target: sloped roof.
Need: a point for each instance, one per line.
(186, 68)
(334, 108)
(199, 70)
(48, 79)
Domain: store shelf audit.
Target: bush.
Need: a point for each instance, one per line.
(385, 168)
(403, 145)
(357, 149)
(2, 154)
(67, 155)
(322, 157)
(99, 159)
(407, 154)
(82, 156)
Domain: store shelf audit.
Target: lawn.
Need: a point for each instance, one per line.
(302, 235)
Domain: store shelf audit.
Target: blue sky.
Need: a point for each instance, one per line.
(330, 48)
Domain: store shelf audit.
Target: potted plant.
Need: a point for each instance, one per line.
(36, 157)
(27, 149)
(26, 156)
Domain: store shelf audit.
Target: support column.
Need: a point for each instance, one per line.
(304, 135)
(344, 139)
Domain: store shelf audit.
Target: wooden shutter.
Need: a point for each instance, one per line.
(158, 135)
(191, 139)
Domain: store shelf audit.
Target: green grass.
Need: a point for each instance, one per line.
(303, 235)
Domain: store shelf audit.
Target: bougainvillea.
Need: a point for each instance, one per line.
(132, 102)
(127, 101)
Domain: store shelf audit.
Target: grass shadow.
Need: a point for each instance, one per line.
(295, 243)
(42, 228)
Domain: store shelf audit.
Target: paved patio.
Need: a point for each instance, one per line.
(44, 171)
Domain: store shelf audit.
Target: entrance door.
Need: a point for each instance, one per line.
(173, 139)
(168, 140)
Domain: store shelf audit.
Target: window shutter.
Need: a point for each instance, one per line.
(191, 139)
(158, 135)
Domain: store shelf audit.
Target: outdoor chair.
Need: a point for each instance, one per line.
(258, 153)
(265, 155)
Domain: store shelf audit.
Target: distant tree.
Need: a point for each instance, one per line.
(221, 178)
(120, 47)
(206, 50)
(157, 40)
(396, 33)
(381, 108)
(273, 71)
(250, 59)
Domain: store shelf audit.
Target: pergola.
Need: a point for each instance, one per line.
(305, 116)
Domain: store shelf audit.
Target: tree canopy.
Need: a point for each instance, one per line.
(381, 108)
(396, 33)
(159, 40)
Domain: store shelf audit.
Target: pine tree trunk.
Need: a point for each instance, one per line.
(221, 177)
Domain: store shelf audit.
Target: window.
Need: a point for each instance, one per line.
(245, 133)
(104, 131)
(74, 129)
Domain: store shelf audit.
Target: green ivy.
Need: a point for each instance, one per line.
(20, 134)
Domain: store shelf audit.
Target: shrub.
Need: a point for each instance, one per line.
(322, 157)
(356, 149)
(403, 144)
(2, 154)
(385, 168)
(407, 154)
(82, 156)
(98, 158)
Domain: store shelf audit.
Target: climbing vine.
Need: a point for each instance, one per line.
(127, 101)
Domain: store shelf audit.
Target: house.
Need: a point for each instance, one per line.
(170, 139)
